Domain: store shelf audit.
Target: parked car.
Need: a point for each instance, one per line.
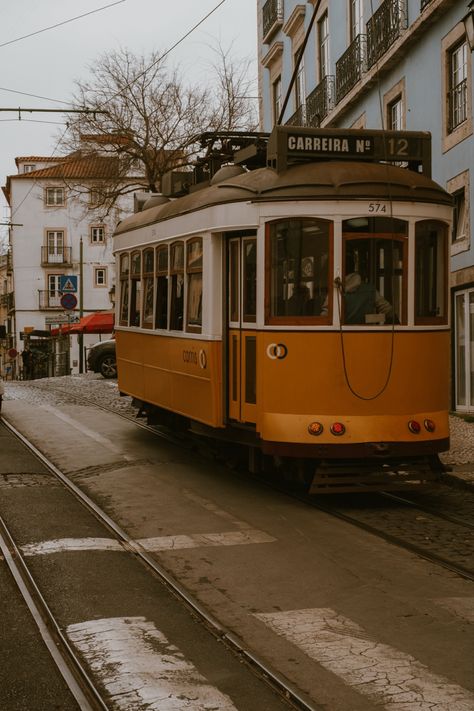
(101, 358)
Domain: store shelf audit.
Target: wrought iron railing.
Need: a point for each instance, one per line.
(351, 66)
(298, 118)
(49, 299)
(8, 300)
(457, 103)
(272, 16)
(55, 255)
(384, 27)
(320, 102)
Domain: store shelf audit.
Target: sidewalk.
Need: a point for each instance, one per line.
(460, 458)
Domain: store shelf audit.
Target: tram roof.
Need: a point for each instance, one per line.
(329, 180)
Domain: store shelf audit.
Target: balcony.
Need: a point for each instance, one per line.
(50, 299)
(56, 255)
(8, 301)
(298, 118)
(384, 27)
(272, 18)
(351, 66)
(320, 102)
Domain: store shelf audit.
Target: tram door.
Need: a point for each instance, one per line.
(241, 320)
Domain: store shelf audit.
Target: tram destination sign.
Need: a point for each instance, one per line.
(292, 144)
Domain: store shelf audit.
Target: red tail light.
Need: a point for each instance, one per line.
(429, 425)
(414, 427)
(337, 429)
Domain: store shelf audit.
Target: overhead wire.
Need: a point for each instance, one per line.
(211, 12)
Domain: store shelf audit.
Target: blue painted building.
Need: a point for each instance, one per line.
(397, 64)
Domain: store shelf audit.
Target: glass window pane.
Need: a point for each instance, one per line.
(299, 251)
(136, 263)
(194, 254)
(148, 299)
(148, 262)
(430, 270)
(249, 258)
(161, 318)
(177, 301)
(234, 280)
(195, 299)
(162, 259)
(124, 294)
(373, 281)
(124, 264)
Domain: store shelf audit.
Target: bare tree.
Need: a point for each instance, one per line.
(147, 120)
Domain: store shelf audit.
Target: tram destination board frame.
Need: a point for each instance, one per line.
(292, 144)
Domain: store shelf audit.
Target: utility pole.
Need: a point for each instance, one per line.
(81, 304)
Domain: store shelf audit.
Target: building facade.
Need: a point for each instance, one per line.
(58, 239)
(395, 64)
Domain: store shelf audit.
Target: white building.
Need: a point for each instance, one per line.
(58, 230)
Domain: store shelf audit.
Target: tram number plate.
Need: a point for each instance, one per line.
(378, 207)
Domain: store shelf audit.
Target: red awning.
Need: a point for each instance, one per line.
(98, 322)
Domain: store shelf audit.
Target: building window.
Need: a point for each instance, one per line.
(356, 11)
(94, 197)
(161, 311)
(456, 87)
(457, 96)
(29, 167)
(54, 295)
(177, 286)
(276, 91)
(459, 187)
(97, 234)
(54, 196)
(431, 272)
(100, 276)
(395, 115)
(55, 246)
(194, 281)
(124, 288)
(298, 253)
(299, 82)
(148, 287)
(323, 46)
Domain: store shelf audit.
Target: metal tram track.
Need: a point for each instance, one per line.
(72, 670)
(316, 502)
(67, 662)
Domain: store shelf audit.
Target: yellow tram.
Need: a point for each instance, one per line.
(297, 303)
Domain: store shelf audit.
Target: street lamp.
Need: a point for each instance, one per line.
(469, 25)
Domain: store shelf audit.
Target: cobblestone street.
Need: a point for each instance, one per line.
(459, 460)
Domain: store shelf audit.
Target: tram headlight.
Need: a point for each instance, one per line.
(414, 426)
(315, 428)
(429, 425)
(337, 429)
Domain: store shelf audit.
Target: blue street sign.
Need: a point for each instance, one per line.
(68, 301)
(68, 283)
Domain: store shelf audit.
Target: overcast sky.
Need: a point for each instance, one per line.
(47, 63)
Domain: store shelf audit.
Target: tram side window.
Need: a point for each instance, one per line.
(124, 288)
(249, 263)
(299, 269)
(374, 271)
(194, 279)
(177, 286)
(430, 272)
(161, 312)
(148, 287)
(135, 289)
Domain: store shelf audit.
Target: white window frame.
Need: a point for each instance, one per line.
(462, 241)
(323, 45)
(98, 282)
(93, 233)
(451, 137)
(57, 194)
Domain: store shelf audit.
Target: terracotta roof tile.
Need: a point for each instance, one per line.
(87, 167)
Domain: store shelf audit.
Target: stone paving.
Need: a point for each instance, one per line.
(459, 460)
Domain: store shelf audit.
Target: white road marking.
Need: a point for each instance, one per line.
(104, 441)
(60, 545)
(198, 540)
(390, 677)
(141, 669)
(459, 606)
(161, 543)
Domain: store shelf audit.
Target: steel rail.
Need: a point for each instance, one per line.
(427, 509)
(73, 672)
(273, 678)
